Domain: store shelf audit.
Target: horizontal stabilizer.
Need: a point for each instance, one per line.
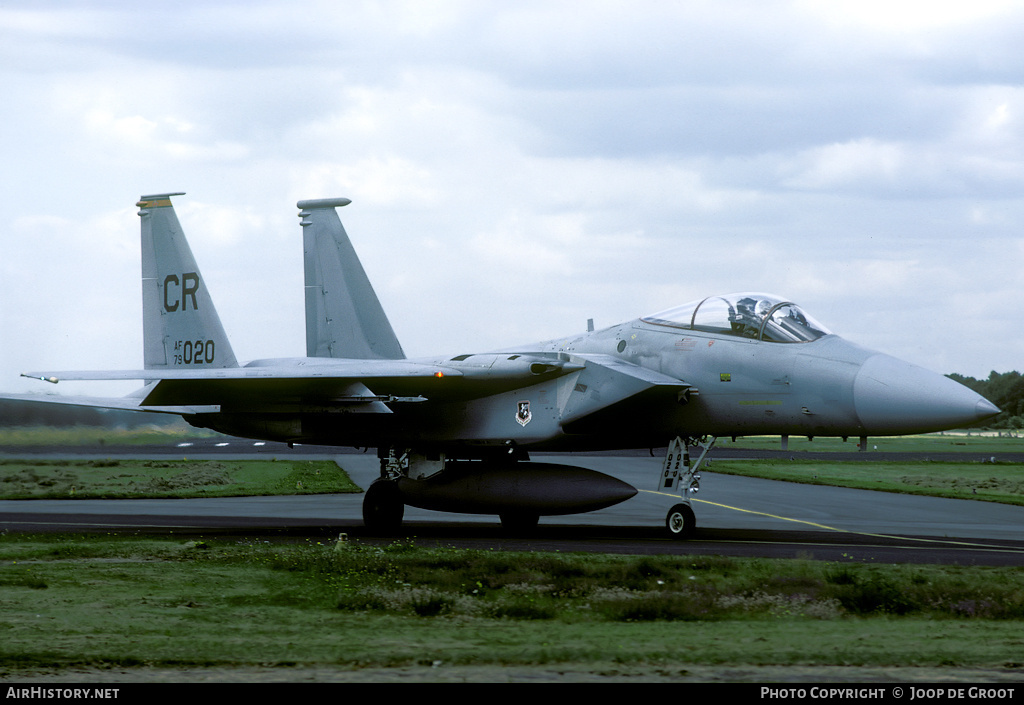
(128, 403)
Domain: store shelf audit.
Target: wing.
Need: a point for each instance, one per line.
(601, 382)
(258, 387)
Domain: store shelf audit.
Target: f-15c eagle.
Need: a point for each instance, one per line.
(455, 433)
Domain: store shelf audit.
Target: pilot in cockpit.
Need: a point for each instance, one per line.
(745, 319)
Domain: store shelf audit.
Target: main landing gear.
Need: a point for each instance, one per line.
(519, 523)
(384, 505)
(521, 495)
(383, 508)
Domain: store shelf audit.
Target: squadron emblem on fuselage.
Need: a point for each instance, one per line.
(523, 414)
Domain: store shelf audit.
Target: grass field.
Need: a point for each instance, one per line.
(118, 601)
(978, 475)
(992, 482)
(107, 601)
(136, 479)
(974, 443)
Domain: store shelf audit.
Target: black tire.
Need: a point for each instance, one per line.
(519, 523)
(680, 522)
(383, 508)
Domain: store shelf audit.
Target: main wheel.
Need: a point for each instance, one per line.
(519, 523)
(383, 508)
(681, 522)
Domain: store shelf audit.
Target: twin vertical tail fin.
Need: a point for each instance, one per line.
(181, 328)
(344, 318)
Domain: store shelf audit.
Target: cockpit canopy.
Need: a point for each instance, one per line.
(746, 315)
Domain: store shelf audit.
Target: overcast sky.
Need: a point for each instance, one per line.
(516, 168)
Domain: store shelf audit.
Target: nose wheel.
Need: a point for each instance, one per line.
(680, 522)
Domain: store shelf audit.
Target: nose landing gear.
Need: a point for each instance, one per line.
(681, 478)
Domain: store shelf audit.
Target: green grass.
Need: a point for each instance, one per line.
(949, 442)
(974, 477)
(122, 601)
(75, 600)
(992, 482)
(136, 479)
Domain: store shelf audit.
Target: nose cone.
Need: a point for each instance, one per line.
(893, 397)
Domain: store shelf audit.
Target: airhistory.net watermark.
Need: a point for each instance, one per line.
(37, 692)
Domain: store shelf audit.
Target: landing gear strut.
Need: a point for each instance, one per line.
(681, 478)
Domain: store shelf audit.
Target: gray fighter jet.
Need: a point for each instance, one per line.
(455, 433)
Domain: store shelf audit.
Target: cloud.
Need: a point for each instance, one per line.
(518, 168)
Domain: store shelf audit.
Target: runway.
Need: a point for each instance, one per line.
(736, 516)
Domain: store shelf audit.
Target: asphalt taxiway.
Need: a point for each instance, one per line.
(735, 515)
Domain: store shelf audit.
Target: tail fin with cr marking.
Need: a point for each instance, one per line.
(181, 328)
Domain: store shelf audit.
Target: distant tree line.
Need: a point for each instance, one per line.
(1005, 390)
